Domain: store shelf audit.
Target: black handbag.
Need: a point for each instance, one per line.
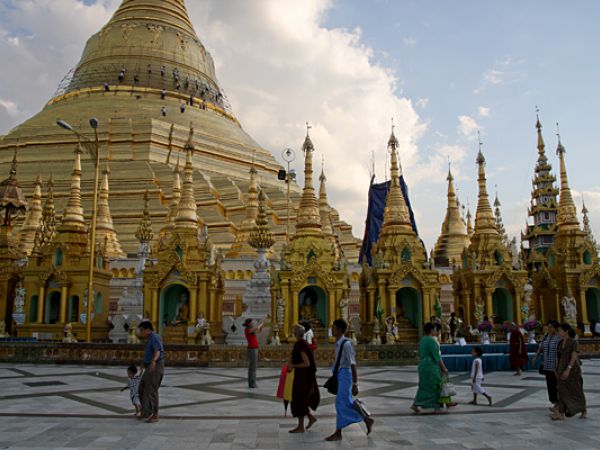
(332, 382)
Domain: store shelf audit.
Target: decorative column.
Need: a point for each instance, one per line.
(285, 292)
(383, 297)
(426, 293)
(370, 305)
(63, 304)
(584, 312)
(40, 304)
(468, 311)
(193, 303)
(154, 306)
(295, 311)
(489, 305)
(542, 309)
(558, 311)
(518, 317)
(391, 294)
(203, 298)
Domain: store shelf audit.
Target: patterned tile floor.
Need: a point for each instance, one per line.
(79, 407)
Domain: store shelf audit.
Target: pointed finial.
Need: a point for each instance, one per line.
(538, 125)
(560, 149)
(308, 127)
(13, 166)
(480, 157)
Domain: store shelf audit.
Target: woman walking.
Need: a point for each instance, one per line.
(548, 349)
(571, 399)
(305, 390)
(347, 379)
(518, 350)
(431, 368)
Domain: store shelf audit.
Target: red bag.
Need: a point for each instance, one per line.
(282, 377)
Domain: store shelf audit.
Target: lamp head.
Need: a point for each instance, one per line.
(61, 123)
(94, 123)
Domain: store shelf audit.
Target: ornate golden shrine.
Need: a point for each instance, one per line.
(183, 285)
(56, 275)
(401, 282)
(313, 269)
(486, 283)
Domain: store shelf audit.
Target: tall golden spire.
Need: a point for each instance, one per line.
(73, 219)
(324, 207)
(567, 212)
(453, 237)
(485, 222)
(187, 216)
(499, 222)
(540, 146)
(260, 237)
(396, 217)
(309, 217)
(240, 246)
(33, 220)
(104, 226)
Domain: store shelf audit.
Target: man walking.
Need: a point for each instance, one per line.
(154, 362)
(251, 329)
(345, 411)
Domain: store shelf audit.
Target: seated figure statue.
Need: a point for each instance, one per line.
(308, 311)
(183, 312)
(391, 330)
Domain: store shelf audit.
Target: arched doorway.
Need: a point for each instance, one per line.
(592, 299)
(312, 306)
(174, 302)
(73, 309)
(408, 306)
(502, 305)
(52, 307)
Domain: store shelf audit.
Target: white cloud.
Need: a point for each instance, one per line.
(11, 107)
(483, 111)
(409, 41)
(467, 127)
(422, 102)
(503, 72)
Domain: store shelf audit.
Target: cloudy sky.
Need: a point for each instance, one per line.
(442, 69)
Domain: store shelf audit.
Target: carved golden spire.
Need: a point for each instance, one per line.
(240, 246)
(540, 146)
(33, 220)
(73, 219)
(499, 222)
(309, 217)
(104, 226)
(469, 223)
(567, 212)
(587, 228)
(324, 208)
(260, 236)
(485, 222)
(48, 226)
(187, 216)
(396, 217)
(453, 238)
(144, 232)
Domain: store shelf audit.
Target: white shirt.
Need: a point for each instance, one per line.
(477, 369)
(348, 356)
(309, 336)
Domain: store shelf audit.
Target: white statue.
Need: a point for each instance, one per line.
(280, 311)
(479, 311)
(570, 307)
(376, 340)
(69, 337)
(344, 307)
(391, 330)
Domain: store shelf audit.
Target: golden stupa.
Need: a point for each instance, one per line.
(146, 76)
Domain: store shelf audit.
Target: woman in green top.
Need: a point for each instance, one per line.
(431, 368)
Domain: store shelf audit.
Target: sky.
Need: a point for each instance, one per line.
(443, 70)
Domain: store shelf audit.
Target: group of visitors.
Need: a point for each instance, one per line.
(560, 365)
(562, 368)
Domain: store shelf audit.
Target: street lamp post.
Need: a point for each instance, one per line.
(94, 148)
(288, 156)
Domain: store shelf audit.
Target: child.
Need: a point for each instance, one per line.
(132, 384)
(477, 376)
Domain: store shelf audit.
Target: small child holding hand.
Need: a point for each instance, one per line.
(133, 383)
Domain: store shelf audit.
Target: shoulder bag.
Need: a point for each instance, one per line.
(332, 382)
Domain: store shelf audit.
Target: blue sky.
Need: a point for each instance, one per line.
(443, 69)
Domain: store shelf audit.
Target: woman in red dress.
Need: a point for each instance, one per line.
(518, 350)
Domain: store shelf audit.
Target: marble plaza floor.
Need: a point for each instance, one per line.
(78, 407)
